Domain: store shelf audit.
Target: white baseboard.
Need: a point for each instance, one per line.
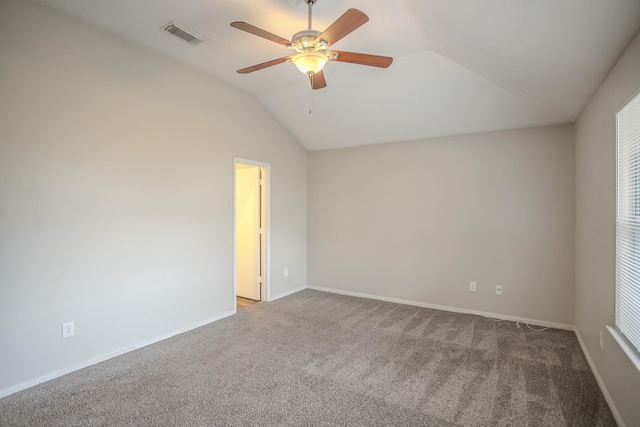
(25, 385)
(603, 387)
(449, 308)
(287, 293)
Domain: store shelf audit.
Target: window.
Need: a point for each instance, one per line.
(628, 223)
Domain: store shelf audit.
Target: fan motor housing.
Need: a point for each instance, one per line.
(305, 40)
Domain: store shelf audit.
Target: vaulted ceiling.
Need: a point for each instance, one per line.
(460, 66)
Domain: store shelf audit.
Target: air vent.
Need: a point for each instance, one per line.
(183, 33)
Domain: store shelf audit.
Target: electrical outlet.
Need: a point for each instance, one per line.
(286, 272)
(498, 290)
(601, 342)
(472, 286)
(68, 329)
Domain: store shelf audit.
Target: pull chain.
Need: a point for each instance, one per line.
(310, 4)
(311, 93)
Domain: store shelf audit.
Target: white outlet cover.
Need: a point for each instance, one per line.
(498, 290)
(68, 329)
(472, 287)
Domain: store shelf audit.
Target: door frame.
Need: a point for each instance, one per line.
(265, 197)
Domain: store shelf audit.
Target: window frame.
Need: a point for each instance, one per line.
(627, 225)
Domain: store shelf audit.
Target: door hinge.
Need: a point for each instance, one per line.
(260, 230)
(259, 279)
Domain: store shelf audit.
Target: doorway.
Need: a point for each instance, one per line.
(250, 232)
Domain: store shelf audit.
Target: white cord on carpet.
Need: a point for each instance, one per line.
(537, 330)
(517, 324)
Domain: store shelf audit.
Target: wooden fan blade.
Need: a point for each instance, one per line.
(264, 65)
(317, 80)
(260, 33)
(349, 21)
(361, 58)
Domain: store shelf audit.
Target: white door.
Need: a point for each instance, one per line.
(248, 232)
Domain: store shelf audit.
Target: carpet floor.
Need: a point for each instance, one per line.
(321, 359)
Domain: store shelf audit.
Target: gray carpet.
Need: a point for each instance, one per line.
(320, 359)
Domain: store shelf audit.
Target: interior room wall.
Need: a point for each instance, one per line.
(116, 194)
(417, 221)
(595, 235)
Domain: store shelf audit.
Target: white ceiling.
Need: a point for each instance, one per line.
(460, 66)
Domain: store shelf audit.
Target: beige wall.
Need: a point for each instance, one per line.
(116, 193)
(419, 220)
(595, 233)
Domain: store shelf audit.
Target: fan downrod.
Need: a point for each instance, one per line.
(310, 3)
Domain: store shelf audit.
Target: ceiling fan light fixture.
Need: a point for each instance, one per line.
(310, 47)
(310, 62)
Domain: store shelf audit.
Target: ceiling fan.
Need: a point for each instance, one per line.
(311, 46)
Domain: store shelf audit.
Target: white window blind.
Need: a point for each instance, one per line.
(628, 222)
